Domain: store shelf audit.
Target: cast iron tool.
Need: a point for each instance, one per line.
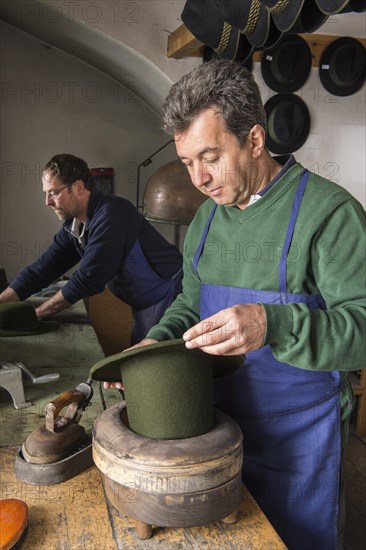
(59, 449)
(59, 435)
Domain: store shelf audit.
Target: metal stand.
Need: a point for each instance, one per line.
(11, 380)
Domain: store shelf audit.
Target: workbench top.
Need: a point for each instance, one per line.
(75, 515)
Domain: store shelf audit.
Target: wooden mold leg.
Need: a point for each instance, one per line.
(143, 530)
(231, 518)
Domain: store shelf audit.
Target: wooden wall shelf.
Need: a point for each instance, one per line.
(182, 43)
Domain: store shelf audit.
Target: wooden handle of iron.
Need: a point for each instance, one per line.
(53, 409)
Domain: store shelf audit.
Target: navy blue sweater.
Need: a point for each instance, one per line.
(113, 227)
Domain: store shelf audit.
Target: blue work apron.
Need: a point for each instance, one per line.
(148, 294)
(290, 418)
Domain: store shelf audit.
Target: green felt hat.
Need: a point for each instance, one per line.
(168, 388)
(20, 319)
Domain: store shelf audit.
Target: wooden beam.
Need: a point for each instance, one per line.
(182, 43)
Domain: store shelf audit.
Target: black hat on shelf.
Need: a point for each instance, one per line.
(286, 67)
(210, 28)
(309, 19)
(284, 12)
(251, 18)
(342, 66)
(288, 123)
(331, 7)
(243, 55)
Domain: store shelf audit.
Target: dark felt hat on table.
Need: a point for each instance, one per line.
(286, 67)
(342, 66)
(209, 27)
(288, 123)
(168, 388)
(20, 319)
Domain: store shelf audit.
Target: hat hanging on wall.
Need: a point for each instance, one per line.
(309, 19)
(331, 7)
(286, 67)
(250, 17)
(288, 123)
(342, 66)
(358, 6)
(284, 12)
(210, 28)
(243, 55)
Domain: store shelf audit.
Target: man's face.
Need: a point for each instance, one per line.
(60, 197)
(218, 165)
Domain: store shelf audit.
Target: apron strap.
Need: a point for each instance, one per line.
(282, 274)
(203, 238)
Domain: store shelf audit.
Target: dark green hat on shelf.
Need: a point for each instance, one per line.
(168, 388)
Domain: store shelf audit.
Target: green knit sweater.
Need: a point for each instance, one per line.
(327, 257)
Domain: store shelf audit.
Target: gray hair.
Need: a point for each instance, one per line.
(226, 87)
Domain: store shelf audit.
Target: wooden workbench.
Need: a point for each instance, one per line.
(75, 515)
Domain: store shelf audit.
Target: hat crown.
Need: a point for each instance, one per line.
(347, 63)
(287, 122)
(17, 316)
(288, 60)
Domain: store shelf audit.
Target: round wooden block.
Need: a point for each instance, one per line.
(184, 510)
(13, 521)
(163, 466)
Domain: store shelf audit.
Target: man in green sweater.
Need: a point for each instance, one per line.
(273, 269)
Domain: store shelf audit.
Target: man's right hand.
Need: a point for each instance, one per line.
(119, 385)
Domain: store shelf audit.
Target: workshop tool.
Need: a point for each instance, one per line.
(13, 521)
(58, 449)
(11, 379)
(38, 379)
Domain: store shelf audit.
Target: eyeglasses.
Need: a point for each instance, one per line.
(55, 194)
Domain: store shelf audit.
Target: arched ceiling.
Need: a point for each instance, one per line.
(100, 50)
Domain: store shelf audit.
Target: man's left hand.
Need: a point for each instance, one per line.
(232, 331)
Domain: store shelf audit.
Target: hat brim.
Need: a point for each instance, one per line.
(271, 142)
(309, 19)
(259, 35)
(110, 368)
(286, 86)
(286, 19)
(325, 75)
(209, 27)
(331, 7)
(41, 328)
(243, 55)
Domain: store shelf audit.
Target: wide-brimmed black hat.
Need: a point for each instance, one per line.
(284, 12)
(168, 388)
(342, 66)
(309, 19)
(243, 55)
(210, 28)
(331, 7)
(20, 319)
(288, 123)
(286, 67)
(250, 17)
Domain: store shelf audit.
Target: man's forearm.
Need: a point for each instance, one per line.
(51, 306)
(9, 295)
